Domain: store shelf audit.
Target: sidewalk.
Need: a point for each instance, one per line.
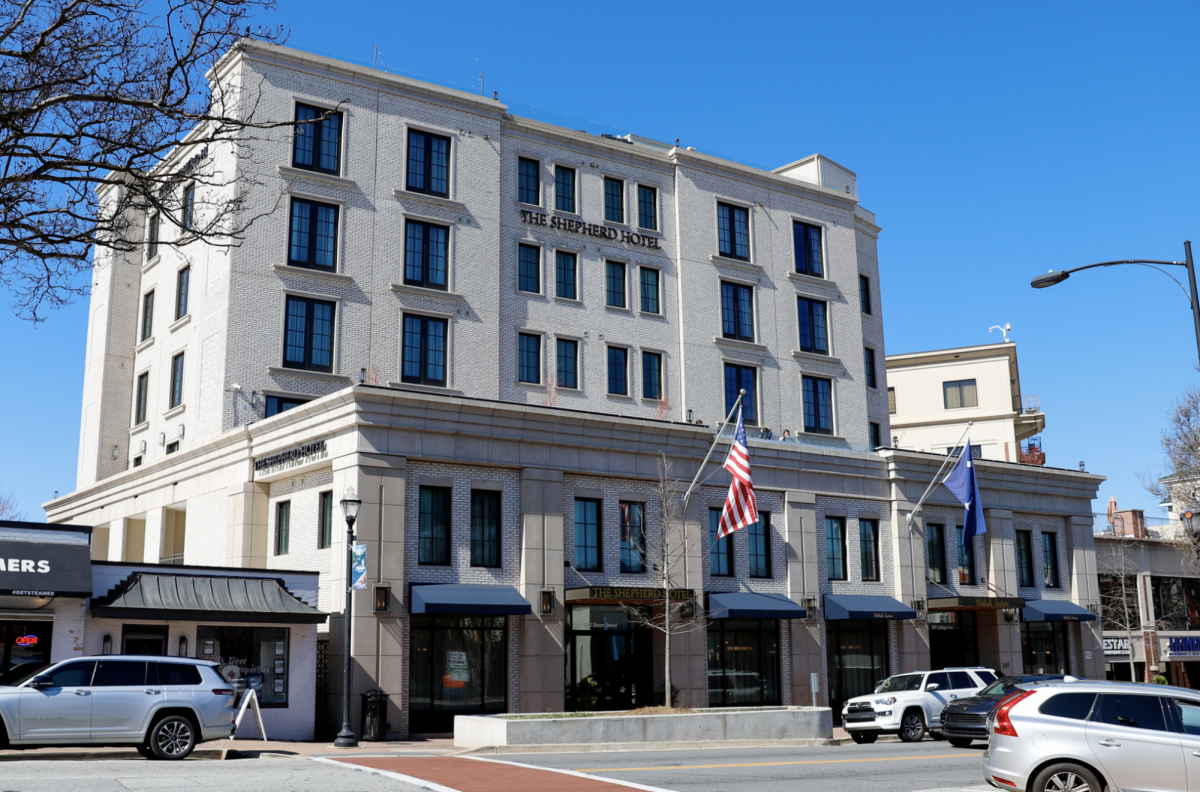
(246, 749)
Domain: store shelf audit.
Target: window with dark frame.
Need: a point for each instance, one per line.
(588, 557)
(565, 285)
(283, 527)
(1024, 542)
(739, 378)
(649, 283)
(891, 401)
(868, 548)
(485, 528)
(618, 371)
(153, 227)
(529, 183)
(324, 520)
(864, 294)
(814, 326)
(733, 231)
(835, 547)
(806, 242)
(425, 254)
(647, 207)
(182, 279)
(143, 392)
(246, 653)
(614, 284)
(633, 537)
(1050, 559)
(172, 447)
(720, 550)
(876, 435)
(869, 367)
(424, 356)
(433, 527)
(564, 189)
(278, 404)
(818, 405)
(312, 235)
(760, 546)
(308, 335)
(966, 558)
(428, 163)
(147, 314)
(960, 393)
(529, 358)
(317, 145)
(935, 541)
(188, 218)
(176, 381)
(529, 269)
(567, 363)
(614, 200)
(652, 376)
(737, 311)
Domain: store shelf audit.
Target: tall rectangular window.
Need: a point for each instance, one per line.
(154, 226)
(864, 293)
(1024, 548)
(428, 163)
(614, 200)
(143, 392)
(935, 541)
(720, 551)
(739, 378)
(324, 520)
(814, 328)
(806, 241)
(960, 393)
(283, 527)
(760, 546)
(649, 282)
(1050, 559)
(278, 404)
(835, 547)
(869, 366)
(433, 527)
(567, 362)
(425, 254)
(318, 144)
(737, 311)
(176, 381)
(188, 218)
(876, 434)
(868, 548)
(529, 358)
(485, 528)
(312, 236)
(529, 269)
(147, 314)
(966, 559)
(564, 189)
(614, 284)
(647, 207)
(818, 405)
(891, 401)
(529, 183)
(633, 537)
(424, 350)
(182, 279)
(564, 275)
(618, 371)
(651, 375)
(733, 231)
(308, 338)
(587, 535)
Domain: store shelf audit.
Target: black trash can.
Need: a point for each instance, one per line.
(374, 716)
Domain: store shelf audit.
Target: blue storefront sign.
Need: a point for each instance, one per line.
(1184, 646)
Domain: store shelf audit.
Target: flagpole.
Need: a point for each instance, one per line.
(692, 487)
(933, 484)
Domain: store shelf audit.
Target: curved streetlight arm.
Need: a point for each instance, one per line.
(1145, 263)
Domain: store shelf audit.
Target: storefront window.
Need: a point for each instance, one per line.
(1176, 602)
(24, 649)
(608, 659)
(1044, 647)
(857, 651)
(459, 667)
(250, 657)
(743, 662)
(953, 639)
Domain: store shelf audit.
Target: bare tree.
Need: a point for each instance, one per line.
(1118, 594)
(8, 508)
(1180, 483)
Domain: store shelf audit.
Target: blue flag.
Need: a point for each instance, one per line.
(963, 484)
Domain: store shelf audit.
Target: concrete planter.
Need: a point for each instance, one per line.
(698, 728)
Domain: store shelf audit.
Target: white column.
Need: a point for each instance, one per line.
(116, 540)
(155, 522)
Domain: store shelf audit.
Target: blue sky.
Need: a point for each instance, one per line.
(993, 141)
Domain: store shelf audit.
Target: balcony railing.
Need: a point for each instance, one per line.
(175, 559)
(1031, 404)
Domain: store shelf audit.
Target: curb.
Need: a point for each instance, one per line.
(493, 750)
(883, 738)
(32, 755)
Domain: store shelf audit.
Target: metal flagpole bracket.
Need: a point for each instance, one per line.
(692, 487)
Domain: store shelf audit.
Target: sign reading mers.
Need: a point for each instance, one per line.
(292, 458)
(589, 229)
(45, 569)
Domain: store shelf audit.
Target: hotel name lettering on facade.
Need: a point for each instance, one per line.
(292, 458)
(588, 229)
(618, 593)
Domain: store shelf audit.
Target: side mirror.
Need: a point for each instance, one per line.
(934, 686)
(41, 681)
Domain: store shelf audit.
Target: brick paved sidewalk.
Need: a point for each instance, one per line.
(463, 774)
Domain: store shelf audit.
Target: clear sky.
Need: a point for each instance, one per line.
(993, 141)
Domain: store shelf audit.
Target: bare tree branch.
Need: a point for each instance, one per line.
(8, 508)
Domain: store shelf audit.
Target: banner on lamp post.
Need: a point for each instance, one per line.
(358, 573)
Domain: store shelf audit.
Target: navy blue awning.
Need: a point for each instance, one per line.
(1055, 610)
(467, 599)
(862, 606)
(747, 605)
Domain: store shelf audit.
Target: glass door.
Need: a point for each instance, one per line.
(857, 659)
(609, 660)
(953, 639)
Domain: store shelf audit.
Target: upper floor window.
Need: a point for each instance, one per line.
(835, 547)
(567, 363)
(869, 366)
(739, 378)
(618, 371)
(312, 238)
(814, 335)
(733, 231)
(308, 335)
(647, 207)
(188, 214)
(737, 311)
(428, 163)
(485, 528)
(424, 357)
(966, 558)
(806, 240)
(760, 546)
(143, 392)
(564, 275)
(891, 401)
(529, 358)
(633, 537)
(864, 293)
(1024, 552)
(868, 548)
(278, 404)
(614, 284)
(818, 405)
(587, 535)
(182, 279)
(564, 188)
(147, 314)
(1050, 559)
(720, 550)
(318, 144)
(155, 224)
(433, 527)
(960, 393)
(176, 398)
(651, 375)
(649, 284)
(876, 435)
(324, 520)
(425, 254)
(935, 542)
(283, 527)
(529, 269)
(529, 183)
(614, 200)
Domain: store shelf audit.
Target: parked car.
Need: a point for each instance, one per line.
(164, 706)
(1082, 736)
(965, 720)
(911, 704)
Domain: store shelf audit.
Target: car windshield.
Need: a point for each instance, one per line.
(999, 688)
(18, 674)
(899, 683)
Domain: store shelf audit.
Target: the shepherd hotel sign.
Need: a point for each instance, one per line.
(292, 458)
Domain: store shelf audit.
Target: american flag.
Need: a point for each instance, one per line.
(740, 509)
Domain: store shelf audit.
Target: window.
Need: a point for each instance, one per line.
(864, 293)
(122, 673)
(835, 547)
(739, 378)
(72, 674)
(651, 376)
(1075, 706)
(143, 390)
(425, 254)
(1187, 714)
(1176, 602)
(587, 535)
(614, 284)
(737, 311)
(459, 665)
(152, 231)
(733, 231)
(633, 537)
(567, 359)
(614, 200)
(312, 236)
(172, 447)
(960, 393)
(176, 381)
(1130, 710)
(940, 680)
(529, 269)
(433, 527)
(966, 558)
(875, 435)
(147, 314)
(868, 548)
(308, 339)
(485, 528)
(976, 451)
(428, 163)
(743, 662)
(806, 240)
(529, 186)
(720, 551)
(649, 290)
(181, 292)
(813, 328)
(1050, 558)
(278, 404)
(564, 275)
(618, 371)
(324, 520)
(424, 350)
(760, 546)
(891, 401)
(1024, 541)
(188, 218)
(935, 539)
(283, 527)
(869, 365)
(818, 405)
(564, 189)
(137, 461)
(248, 656)
(529, 358)
(647, 207)
(318, 144)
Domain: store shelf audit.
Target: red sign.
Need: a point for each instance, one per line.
(27, 640)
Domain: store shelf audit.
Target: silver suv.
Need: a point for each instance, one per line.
(165, 706)
(1087, 736)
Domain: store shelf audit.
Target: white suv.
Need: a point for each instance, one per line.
(911, 704)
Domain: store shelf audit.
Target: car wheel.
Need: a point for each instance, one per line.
(863, 738)
(960, 742)
(1066, 778)
(912, 726)
(173, 737)
(145, 752)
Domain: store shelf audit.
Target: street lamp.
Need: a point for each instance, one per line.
(1052, 278)
(350, 504)
(1191, 518)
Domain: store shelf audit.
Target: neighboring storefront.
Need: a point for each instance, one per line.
(744, 648)
(956, 623)
(857, 643)
(1045, 625)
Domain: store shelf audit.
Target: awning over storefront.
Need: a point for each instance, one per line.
(143, 595)
(1056, 610)
(747, 605)
(464, 598)
(862, 606)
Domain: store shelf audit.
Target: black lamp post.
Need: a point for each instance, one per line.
(1052, 278)
(350, 504)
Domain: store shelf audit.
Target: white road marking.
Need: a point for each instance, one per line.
(420, 782)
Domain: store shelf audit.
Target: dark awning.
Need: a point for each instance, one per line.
(467, 599)
(145, 595)
(747, 605)
(1056, 610)
(862, 606)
